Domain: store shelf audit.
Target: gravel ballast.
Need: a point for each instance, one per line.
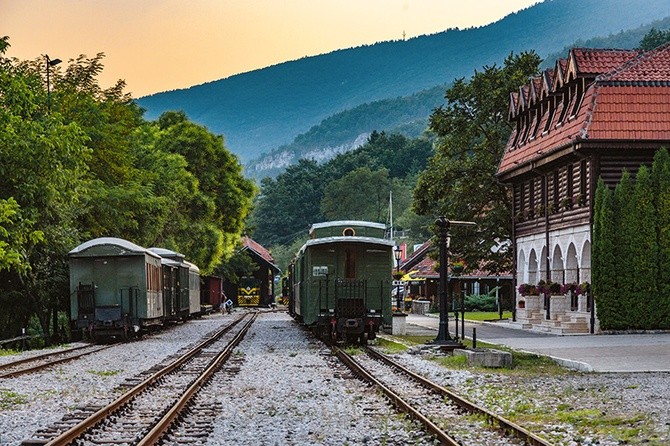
(287, 389)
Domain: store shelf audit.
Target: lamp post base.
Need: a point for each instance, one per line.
(448, 345)
(399, 326)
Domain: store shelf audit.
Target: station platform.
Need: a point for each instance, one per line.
(616, 353)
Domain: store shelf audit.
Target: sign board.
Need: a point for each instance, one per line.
(319, 271)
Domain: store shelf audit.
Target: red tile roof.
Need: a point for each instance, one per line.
(421, 266)
(254, 246)
(592, 62)
(631, 101)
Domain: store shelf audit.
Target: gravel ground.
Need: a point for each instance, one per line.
(287, 391)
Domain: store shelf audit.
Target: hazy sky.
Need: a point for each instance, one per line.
(158, 45)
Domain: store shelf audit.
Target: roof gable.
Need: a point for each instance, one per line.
(256, 248)
(628, 101)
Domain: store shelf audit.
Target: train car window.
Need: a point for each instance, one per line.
(349, 264)
(349, 232)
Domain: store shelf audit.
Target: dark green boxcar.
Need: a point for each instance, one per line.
(342, 280)
(116, 287)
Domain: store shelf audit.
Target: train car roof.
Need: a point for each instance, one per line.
(192, 267)
(171, 262)
(347, 239)
(118, 247)
(163, 252)
(328, 224)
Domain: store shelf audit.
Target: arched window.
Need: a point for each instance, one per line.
(521, 268)
(571, 265)
(557, 271)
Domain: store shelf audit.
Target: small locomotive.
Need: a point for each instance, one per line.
(340, 281)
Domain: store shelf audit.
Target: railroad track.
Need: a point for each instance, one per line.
(36, 363)
(441, 411)
(143, 414)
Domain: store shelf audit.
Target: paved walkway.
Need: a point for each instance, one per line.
(597, 353)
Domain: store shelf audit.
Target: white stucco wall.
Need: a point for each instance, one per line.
(562, 259)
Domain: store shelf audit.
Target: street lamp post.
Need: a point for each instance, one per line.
(443, 225)
(397, 253)
(50, 63)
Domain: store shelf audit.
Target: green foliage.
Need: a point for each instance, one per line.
(359, 195)
(460, 179)
(351, 185)
(480, 302)
(9, 399)
(237, 266)
(630, 249)
(604, 255)
(654, 38)
(288, 205)
(79, 161)
(661, 187)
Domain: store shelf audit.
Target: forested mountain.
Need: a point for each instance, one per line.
(264, 109)
(404, 115)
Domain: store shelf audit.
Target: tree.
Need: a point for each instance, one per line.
(661, 188)
(43, 165)
(225, 195)
(654, 38)
(358, 195)
(604, 256)
(460, 182)
(288, 205)
(644, 252)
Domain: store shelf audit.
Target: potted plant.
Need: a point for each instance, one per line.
(397, 275)
(526, 289)
(458, 266)
(573, 288)
(566, 203)
(549, 287)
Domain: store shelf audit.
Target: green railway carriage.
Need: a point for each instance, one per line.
(180, 308)
(341, 280)
(116, 287)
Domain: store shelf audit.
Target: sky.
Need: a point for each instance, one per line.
(159, 45)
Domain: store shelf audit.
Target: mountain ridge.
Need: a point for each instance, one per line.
(264, 109)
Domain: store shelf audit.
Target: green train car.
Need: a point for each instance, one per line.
(116, 288)
(340, 281)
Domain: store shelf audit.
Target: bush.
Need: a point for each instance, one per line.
(478, 302)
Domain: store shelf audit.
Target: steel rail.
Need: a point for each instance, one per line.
(80, 428)
(162, 426)
(42, 356)
(442, 436)
(471, 407)
(47, 364)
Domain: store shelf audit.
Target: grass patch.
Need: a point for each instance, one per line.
(8, 352)
(390, 347)
(352, 350)
(104, 372)
(481, 315)
(9, 399)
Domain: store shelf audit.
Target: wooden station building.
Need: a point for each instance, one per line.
(596, 113)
